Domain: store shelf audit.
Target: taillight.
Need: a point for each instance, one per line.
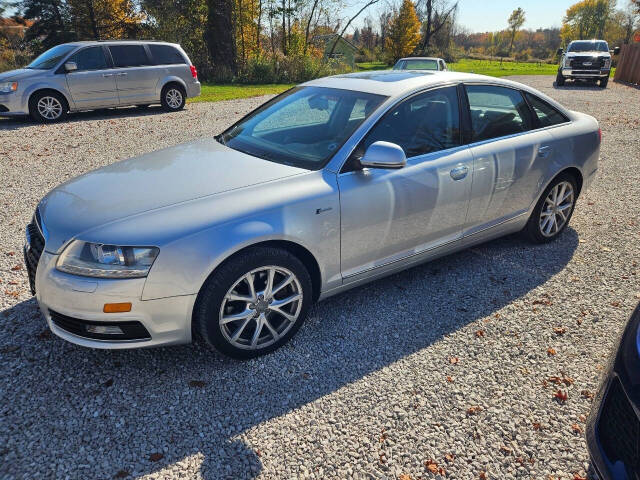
(194, 72)
(599, 135)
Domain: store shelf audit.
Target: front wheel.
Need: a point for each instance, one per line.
(47, 107)
(553, 211)
(559, 80)
(604, 82)
(173, 98)
(254, 303)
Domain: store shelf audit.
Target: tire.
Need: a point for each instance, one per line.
(227, 293)
(559, 80)
(173, 97)
(538, 228)
(48, 107)
(604, 82)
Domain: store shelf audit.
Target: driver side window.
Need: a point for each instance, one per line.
(422, 124)
(91, 58)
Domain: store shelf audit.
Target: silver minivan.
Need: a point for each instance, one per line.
(99, 74)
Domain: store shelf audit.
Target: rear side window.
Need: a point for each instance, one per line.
(91, 58)
(128, 55)
(547, 115)
(165, 55)
(496, 112)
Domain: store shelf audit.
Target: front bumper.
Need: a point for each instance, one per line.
(613, 427)
(569, 73)
(62, 296)
(11, 104)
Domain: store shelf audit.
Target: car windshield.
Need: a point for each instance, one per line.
(51, 57)
(420, 64)
(303, 127)
(588, 46)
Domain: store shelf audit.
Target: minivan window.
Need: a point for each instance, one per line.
(496, 111)
(91, 58)
(128, 55)
(425, 123)
(547, 115)
(51, 57)
(165, 55)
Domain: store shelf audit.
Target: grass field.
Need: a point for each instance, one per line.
(215, 92)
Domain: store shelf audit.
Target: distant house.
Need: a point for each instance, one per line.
(14, 26)
(344, 50)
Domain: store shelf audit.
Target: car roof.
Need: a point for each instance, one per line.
(420, 58)
(116, 42)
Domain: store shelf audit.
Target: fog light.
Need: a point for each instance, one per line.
(105, 329)
(117, 307)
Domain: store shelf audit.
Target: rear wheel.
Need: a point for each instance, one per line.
(553, 211)
(559, 80)
(173, 97)
(254, 303)
(47, 107)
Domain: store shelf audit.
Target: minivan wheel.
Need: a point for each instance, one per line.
(254, 303)
(47, 107)
(553, 211)
(173, 97)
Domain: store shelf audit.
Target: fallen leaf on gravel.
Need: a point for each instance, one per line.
(543, 301)
(122, 474)
(453, 360)
(558, 380)
(404, 476)
(615, 304)
(16, 268)
(10, 254)
(586, 394)
(559, 330)
(449, 379)
(449, 457)
(505, 449)
(431, 466)
(154, 457)
(258, 453)
(537, 426)
(197, 383)
(483, 476)
(45, 334)
(561, 396)
(473, 410)
(578, 477)
(480, 333)
(551, 351)
(12, 293)
(576, 428)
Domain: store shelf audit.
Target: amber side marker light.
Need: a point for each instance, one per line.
(117, 307)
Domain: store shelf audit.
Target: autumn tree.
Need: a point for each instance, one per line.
(516, 20)
(587, 19)
(104, 19)
(436, 15)
(404, 33)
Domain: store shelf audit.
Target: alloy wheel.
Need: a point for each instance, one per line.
(260, 307)
(174, 98)
(49, 108)
(556, 209)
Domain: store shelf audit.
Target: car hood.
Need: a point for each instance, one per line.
(19, 74)
(594, 53)
(155, 180)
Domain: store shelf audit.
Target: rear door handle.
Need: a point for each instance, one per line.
(459, 172)
(544, 151)
(121, 74)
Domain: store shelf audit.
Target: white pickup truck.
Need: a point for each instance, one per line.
(588, 60)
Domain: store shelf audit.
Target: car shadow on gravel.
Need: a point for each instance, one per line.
(16, 123)
(578, 86)
(94, 413)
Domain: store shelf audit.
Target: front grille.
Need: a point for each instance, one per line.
(595, 63)
(32, 252)
(131, 330)
(619, 430)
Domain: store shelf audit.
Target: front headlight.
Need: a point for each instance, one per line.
(8, 87)
(106, 261)
(607, 62)
(567, 61)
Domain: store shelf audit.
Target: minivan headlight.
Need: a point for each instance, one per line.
(106, 261)
(8, 87)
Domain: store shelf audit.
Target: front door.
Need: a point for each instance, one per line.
(392, 215)
(93, 84)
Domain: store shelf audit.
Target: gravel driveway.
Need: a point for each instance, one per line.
(450, 365)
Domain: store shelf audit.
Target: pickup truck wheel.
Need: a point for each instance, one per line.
(254, 303)
(559, 80)
(604, 82)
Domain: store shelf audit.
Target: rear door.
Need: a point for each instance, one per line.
(169, 61)
(93, 85)
(509, 157)
(136, 78)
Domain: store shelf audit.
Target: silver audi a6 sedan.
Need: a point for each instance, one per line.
(332, 184)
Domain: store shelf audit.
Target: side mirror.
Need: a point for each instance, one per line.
(559, 52)
(71, 66)
(616, 50)
(383, 155)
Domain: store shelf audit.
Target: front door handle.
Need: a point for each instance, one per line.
(107, 74)
(459, 173)
(544, 151)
